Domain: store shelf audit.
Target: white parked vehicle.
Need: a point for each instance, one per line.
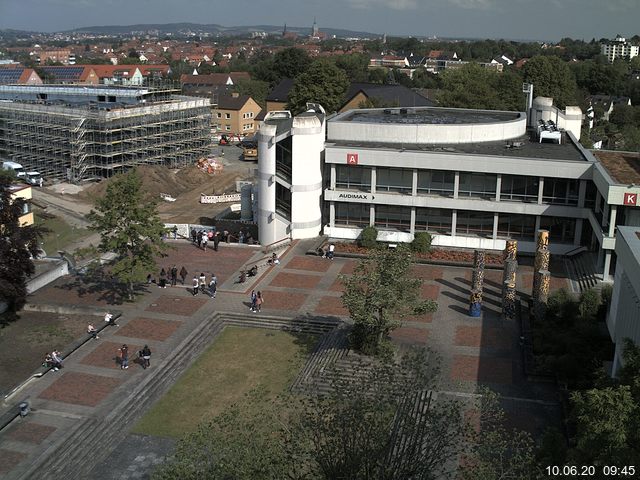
(16, 167)
(34, 178)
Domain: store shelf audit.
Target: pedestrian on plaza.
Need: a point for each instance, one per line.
(183, 274)
(196, 285)
(213, 286)
(162, 282)
(145, 355)
(209, 235)
(199, 238)
(216, 241)
(174, 275)
(56, 359)
(203, 282)
(123, 353)
(204, 241)
(259, 300)
(175, 232)
(91, 330)
(193, 235)
(332, 248)
(254, 298)
(108, 317)
(49, 363)
(241, 236)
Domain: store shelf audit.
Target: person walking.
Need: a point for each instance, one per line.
(145, 354)
(332, 248)
(254, 298)
(196, 285)
(216, 241)
(259, 300)
(183, 274)
(203, 282)
(174, 275)
(123, 352)
(204, 241)
(162, 281)
(213, 286)
(199, 237)
(193, 235)
(174, 230)
(91, 330)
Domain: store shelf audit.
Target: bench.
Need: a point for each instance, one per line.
(10, 415)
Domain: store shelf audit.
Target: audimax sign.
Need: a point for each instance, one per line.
(355, 196)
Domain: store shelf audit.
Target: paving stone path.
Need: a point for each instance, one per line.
(83, 403)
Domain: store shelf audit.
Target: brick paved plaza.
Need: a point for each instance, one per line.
(474, 350)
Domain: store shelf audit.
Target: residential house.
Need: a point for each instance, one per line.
(236, 114)
(24, 192)
(212, 85)
(18, 75)
(279, 96)
(607, 103)
(84, 74)
(376, 95)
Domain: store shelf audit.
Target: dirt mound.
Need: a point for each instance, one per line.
(160, 179)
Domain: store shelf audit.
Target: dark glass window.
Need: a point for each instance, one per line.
(517, 188)
(560, 191)
(352, 214)
(436, 220)
(393, 217)
(394, 180)
(474, 223)
(520, 227)
(561, 230)
(435, 182)
(353, 178)
(283, 201)
(283, 159)
(480, 185)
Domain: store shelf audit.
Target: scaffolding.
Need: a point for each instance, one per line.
(77, 142)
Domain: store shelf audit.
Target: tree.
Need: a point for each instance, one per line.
(380, 422)
(380, 292)
(322, 83)
(551, 77)
(129, 226)
(256, 89)
(291, 62)
(355, 66)
(498, 452)
(19, 245)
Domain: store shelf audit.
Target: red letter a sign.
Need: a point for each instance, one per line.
(352, 158)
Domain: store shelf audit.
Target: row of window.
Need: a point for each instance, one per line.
(470, 223)
(557, 191)
(228, 115)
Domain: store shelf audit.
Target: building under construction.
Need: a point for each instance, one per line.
(77, 132)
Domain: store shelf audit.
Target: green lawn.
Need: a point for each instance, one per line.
(239, 360)
(61, 234)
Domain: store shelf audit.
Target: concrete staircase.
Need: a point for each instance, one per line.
(581, 269)
(94, 438)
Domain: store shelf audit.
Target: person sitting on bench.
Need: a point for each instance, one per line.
(253, 271)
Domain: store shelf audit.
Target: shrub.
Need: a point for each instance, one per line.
(368, 237)
(606, 294)
(421, 242)
(589, 303)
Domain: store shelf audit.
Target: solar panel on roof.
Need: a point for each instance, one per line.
(10, 75)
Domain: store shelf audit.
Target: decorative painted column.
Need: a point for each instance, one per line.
(540, 305)
(509, 300)
(541, 261)
(477, 281)
(509, 271)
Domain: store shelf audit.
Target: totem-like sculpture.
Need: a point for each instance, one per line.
(510, 268)
(540, 305)
(475, 303)
(477, 283)
(541, 265)
(509, 300)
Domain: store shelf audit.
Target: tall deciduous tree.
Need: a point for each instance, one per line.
(322, 83)
(18, 246)
(129, 226)
(379, 294)
(291, 62)
(551, 77)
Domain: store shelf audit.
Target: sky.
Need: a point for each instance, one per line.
(548, 20)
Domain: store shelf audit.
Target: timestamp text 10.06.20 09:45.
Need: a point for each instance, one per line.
(612, 471)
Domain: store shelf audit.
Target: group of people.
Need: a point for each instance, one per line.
(170, 275)
(203, 237)
(144, 357)
(256, 301)
(200, 285)
(53, 360)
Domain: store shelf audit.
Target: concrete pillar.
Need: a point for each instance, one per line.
(495, 226)
(454, 221)
(536, 228)
(414, 182)
(498, 186)
(332, 214)
(373, 180)
(582, 193)
(540, 190)
(372, 215)
(412, 228)
(456, 184)
(332, 185)
(598, 197)
(578, 233)
(612, 220)
(606, 275)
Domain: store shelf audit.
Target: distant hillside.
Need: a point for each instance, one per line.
(213, 29)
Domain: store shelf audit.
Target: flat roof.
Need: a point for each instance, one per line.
(426, 116)
(525, 147)
(623, 167)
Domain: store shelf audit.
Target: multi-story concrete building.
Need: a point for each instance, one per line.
(472, 178)
(73, 132)
(623, 320)
(619, 48)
